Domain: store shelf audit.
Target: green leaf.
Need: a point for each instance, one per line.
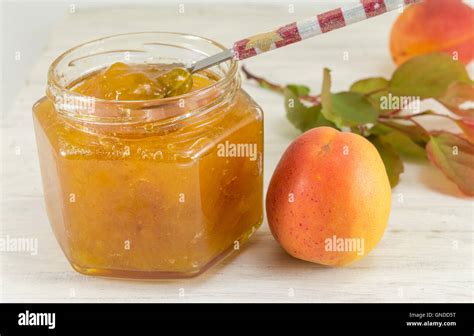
(299, 90)
(456, 96)
(380, 129)
(326, 99)
(417, 134)
(454, 156)
(427, 76)
(353, 109)
(401, 142)
(375, 90)
(404, 145)
(392, 161)
(369, 85)
(300, 115)
(345, 108)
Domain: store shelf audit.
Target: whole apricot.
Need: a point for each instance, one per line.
(434, 25)
(329, 199)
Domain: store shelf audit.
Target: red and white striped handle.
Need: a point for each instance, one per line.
(319, 24)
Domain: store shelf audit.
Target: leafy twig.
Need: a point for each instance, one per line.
(316, 100)
(262, 82)
(401, 133)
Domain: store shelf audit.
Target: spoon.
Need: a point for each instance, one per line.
(301, 30)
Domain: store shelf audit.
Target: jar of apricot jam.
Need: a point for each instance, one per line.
(148, 171)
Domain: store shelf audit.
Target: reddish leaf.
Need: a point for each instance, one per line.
(459, 98)
(467, 126)
(454, 156)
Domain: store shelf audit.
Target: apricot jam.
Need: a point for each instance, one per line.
(148, 171)
(141, 81)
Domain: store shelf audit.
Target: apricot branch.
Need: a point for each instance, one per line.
(262, 82)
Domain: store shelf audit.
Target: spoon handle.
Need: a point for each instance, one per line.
(302, 30)
(319, 24)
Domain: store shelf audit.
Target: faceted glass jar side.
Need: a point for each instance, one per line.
(154, 198)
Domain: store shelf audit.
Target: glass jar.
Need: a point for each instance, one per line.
(161, 188)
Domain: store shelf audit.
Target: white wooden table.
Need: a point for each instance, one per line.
(426, 254)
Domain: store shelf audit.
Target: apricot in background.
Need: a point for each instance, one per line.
(434, 25)
(328, 185)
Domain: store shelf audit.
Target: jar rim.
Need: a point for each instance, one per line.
(55, 87)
